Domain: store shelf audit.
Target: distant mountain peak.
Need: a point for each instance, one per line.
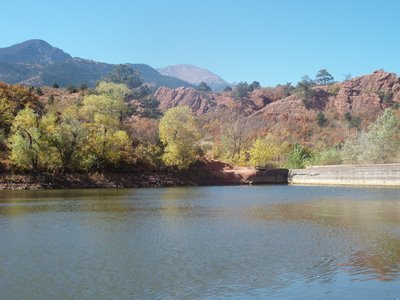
(194, 75)
(34, 51)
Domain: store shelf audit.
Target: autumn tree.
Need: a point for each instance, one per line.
(66, 133)
(262, 152)
(107, 144)
(179, 132)
(26, 141)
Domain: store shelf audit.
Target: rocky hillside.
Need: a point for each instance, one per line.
(268, 110)
(35, 62)
(195, 75)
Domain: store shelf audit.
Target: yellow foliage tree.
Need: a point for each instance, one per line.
(180, 133)
(262, 152)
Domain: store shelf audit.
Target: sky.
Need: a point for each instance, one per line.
(240, 40)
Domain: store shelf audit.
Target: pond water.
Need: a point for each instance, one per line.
(243, 242)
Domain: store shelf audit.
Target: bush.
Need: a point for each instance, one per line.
(321, 119)
(299, 157)
(326, 157)
(72, 89)
(39, 91)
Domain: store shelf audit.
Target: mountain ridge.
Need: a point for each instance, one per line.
(36, 62)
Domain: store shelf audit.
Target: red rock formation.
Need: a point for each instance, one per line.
(362, 96)
(198, 102)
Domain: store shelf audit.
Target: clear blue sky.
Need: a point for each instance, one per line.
(240, 40)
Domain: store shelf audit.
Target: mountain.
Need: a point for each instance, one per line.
(33, 52)
(195, 75)
(35, 62)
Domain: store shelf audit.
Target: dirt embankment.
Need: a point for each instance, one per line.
(70, 181)
(204, 172)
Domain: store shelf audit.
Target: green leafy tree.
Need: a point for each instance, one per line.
(255, 85)
(304, 88)
(125, 74)
(323, 77)
(180, 134)
(203, 87)
(299, 157)
(241, 91)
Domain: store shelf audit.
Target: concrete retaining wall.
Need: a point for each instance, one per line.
(271, 176)
(383, 175)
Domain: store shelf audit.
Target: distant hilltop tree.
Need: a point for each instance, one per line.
(323, 77)
(255, 85)
(241, 91)
(227, 89)
(203, 87)
(125, 74)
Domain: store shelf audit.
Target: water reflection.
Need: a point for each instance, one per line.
(200, 242)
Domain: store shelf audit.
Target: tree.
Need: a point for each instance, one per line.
(321, 119)
(106, 145)
(347, 77)
(179, 132)
(241, 91)
(83, 87)
(67, 135)
(72, 89)
(55, 85)
(262, 152)
(203, 87)
(125, 74)
(227, 89)
(323, 77)
(304, 88)
(288, 89)
(39, 91)
(378, 144)
(354, 122)
(255, 85)
(26, 141)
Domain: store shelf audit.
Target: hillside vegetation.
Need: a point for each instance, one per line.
(121, 125)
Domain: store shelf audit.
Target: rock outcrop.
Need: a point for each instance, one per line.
(198, 102)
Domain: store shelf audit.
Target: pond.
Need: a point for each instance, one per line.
(241, 242)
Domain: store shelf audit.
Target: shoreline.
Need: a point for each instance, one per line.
(211, 173)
